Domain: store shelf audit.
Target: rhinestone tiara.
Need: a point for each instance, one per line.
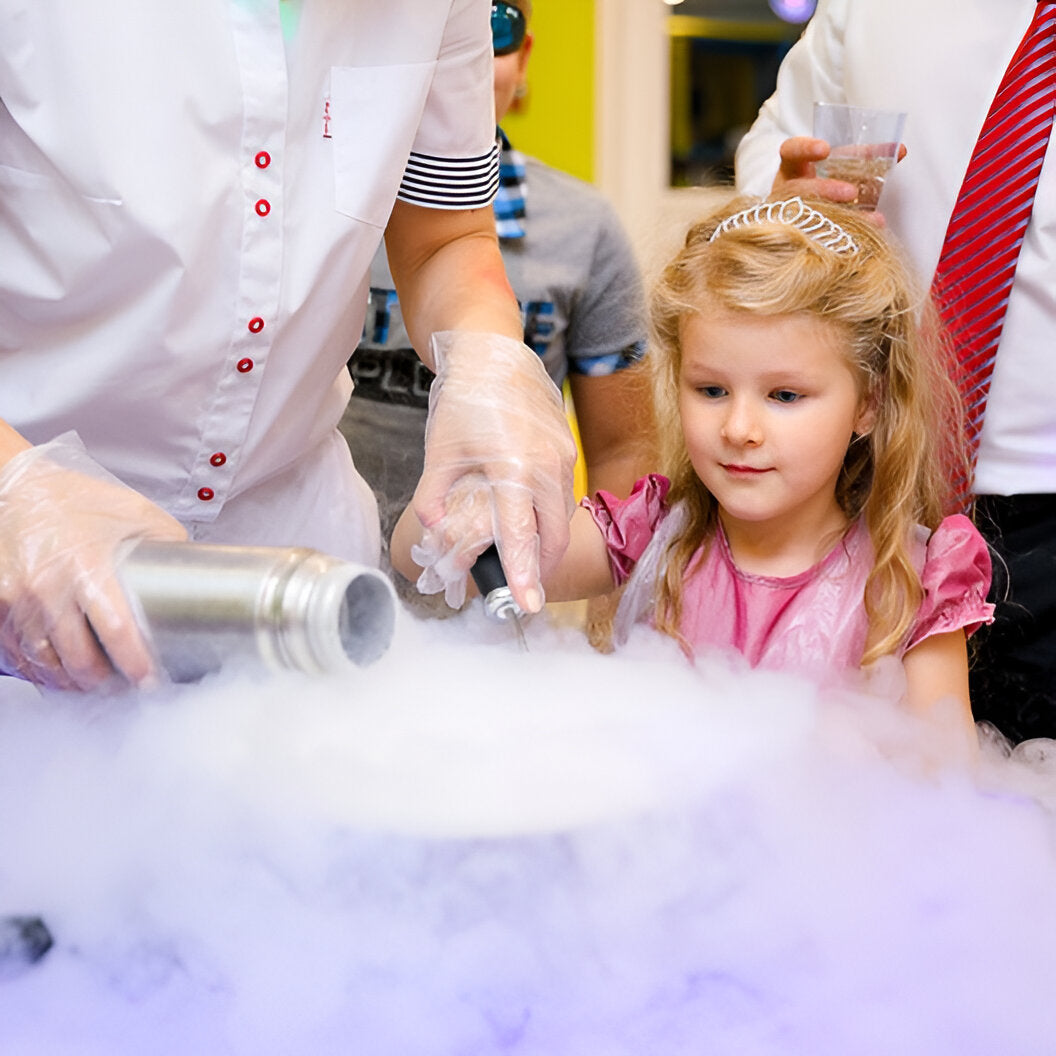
(793, 212)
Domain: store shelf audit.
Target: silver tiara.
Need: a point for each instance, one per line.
(794, 213)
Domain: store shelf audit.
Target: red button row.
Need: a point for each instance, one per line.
(217, 459)
(256, 324)
(262, 161)
(263, 207)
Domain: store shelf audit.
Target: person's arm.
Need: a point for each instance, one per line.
(937, 675)
(615, 427)
(496, 421)
(955, 578)
(449, 274)
(583, 571)
(616, 431)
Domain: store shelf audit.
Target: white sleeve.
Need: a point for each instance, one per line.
(454, 161)
(812, 70)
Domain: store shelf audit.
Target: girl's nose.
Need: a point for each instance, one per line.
(742, 425)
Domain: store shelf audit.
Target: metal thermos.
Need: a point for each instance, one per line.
(202, 605)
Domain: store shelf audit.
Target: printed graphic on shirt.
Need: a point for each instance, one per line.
(391, 376)
(380, 306)
(537, 319)
(397, 375)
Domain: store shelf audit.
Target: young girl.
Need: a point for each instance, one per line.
(802, 419)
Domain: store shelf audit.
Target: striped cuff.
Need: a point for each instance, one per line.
(450, 183)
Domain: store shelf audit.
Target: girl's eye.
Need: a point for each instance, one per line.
(712, 392)
(784, 396)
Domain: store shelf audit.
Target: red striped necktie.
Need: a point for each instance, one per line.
(978, 261)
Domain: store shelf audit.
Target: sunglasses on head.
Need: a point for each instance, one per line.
(508, 27)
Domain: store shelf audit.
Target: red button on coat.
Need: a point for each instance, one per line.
(218, 459)
(263, 207)
(244, 366)
(263, 159)
(256, 324)
(205, 494)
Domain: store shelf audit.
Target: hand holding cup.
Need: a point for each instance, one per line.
(864, 144)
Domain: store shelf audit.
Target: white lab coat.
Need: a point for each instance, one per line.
(941, 61)
(190, 196)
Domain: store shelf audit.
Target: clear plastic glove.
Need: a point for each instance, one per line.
(468, 502)
(64, 525)
(498, 466)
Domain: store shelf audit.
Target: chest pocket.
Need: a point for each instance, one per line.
(374, 116)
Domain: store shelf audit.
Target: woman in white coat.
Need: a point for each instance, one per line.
(190, 197)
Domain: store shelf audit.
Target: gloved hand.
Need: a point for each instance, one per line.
(498, 466)
(64, 525)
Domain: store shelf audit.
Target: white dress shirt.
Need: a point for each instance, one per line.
(940, 61)
(190, 197)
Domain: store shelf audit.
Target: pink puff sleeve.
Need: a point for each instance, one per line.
(628, 524)
(956, 578)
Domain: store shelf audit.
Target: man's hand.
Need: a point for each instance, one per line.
(796, 174)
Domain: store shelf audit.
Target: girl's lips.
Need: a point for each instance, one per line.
(747, 470)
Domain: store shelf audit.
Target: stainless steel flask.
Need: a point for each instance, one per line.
(202, 605)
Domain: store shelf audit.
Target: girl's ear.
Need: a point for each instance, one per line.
(866, 419)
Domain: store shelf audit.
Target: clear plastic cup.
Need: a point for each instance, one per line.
(863, 146)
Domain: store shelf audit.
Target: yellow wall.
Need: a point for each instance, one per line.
(555, 121)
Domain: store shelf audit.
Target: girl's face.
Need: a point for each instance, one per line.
(768, 407)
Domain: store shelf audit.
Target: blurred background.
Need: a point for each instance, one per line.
(647, 99)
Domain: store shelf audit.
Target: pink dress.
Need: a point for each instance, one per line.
(812, 622)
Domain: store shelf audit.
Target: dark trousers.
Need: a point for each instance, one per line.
(1013, 672)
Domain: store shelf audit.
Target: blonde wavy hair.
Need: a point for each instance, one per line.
(896, 477)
